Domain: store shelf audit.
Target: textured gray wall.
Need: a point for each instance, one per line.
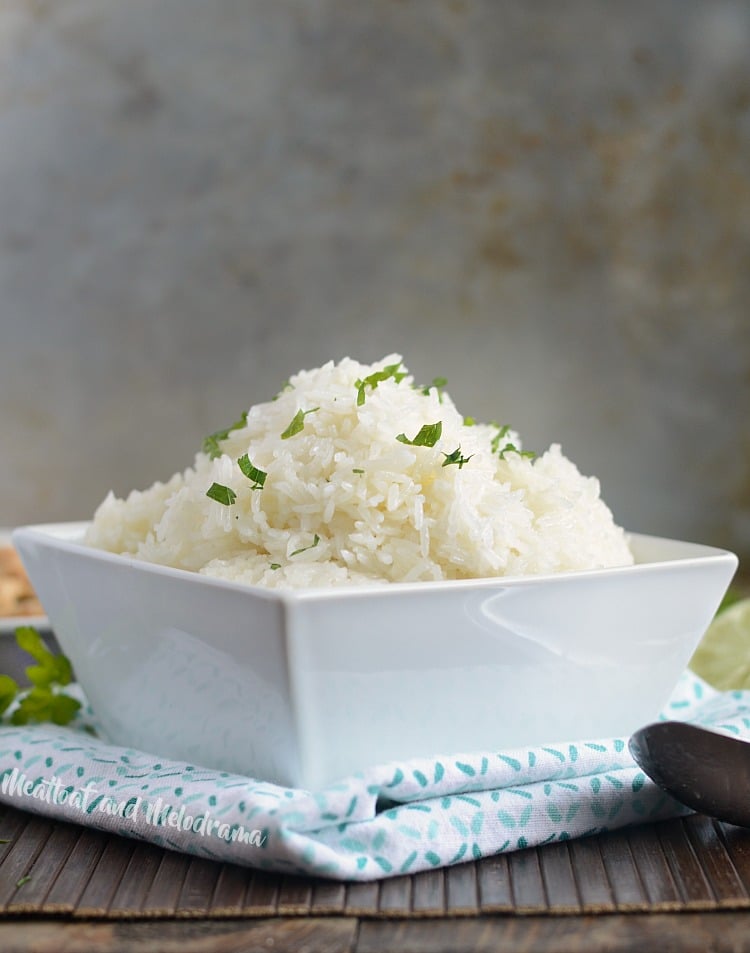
(547, 202)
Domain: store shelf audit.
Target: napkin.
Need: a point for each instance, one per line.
(395, 818)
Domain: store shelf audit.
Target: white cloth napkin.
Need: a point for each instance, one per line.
(391, 819)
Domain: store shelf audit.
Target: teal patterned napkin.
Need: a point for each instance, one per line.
(391, 819)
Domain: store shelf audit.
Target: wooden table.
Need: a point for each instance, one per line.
(677, 885)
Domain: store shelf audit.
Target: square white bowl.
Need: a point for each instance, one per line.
(302, 687)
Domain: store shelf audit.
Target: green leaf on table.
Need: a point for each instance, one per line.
(43, 705)
(43, 700)
(8, 691)
(51, 668)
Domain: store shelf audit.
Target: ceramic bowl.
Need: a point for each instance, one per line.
(301, 687)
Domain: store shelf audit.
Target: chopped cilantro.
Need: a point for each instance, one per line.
(438, 383)
(357, 470)
(43, 700)
(298, 422)
(502, 431)
(456, 458)
(222, 494)
(211, 443)
(316, 540)
(372, 380)
(8, 691)
(285, 386)
(428, 435)
(257, 477)
(275, 566)
(510, 448)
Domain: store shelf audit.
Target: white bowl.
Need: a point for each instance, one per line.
(301, 687)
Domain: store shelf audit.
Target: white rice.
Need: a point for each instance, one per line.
(345, 502)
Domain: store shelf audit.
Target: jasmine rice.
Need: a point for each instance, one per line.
(352, 475)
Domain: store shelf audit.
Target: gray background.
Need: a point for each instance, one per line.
(546, 202)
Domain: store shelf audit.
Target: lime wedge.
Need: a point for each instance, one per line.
(723, 656)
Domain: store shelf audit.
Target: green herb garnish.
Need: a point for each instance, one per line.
(495, 442)
(316, 540)
(43, 700)
(510, 448)
(372, 380)
(222, 494)
(285, 386)
(298, 422)
(428, 435)
(469, 422)
(357, 470)
(211, 443)
(257, 477)
(23, 880)
(438, 383)
(455, 457)
(275, 566)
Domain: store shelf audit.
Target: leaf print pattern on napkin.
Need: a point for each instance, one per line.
(388, 820)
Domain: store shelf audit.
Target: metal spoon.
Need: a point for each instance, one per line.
(702, 769)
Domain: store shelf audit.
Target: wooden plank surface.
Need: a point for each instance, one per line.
(280, 935)
(720, 932)
(690, 864)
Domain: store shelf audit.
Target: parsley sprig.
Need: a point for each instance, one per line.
(43, 700)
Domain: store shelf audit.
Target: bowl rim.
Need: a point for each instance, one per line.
(67, 537)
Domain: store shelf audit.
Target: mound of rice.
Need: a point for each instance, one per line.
(327, 485)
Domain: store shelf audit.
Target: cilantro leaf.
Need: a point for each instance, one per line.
(372, 380)
(316, 540)
(50, 667)
(456, 458)
(510, 448)
(285, 386)
(43, 700)
(42, 704)
(298, 422)
(222, 494)
(495, 442)
(428, 435)
(8, 691)
(212, 441)
(257, 477)
(438, 383)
